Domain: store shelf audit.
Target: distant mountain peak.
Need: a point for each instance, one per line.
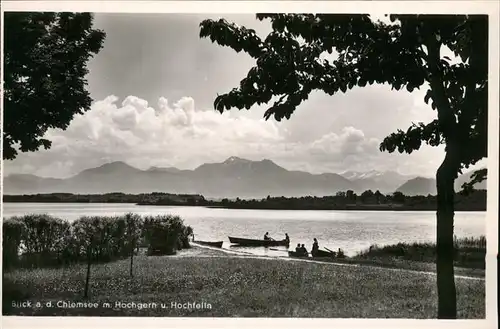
(110, 167)
(235, 159)
(418, 186)
(116, 164)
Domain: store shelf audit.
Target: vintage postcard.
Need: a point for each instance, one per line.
(227, 164)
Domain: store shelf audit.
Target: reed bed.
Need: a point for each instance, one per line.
(470, 252)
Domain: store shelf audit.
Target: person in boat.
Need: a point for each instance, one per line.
(315, 247)
(287, 238)
(303, 249)
(340, 253)
(266, 236)
(298, 249)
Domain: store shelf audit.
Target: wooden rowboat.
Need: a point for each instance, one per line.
(318, 254)
(297, 254)
(323, 253)
(217, 244)
(258, 243)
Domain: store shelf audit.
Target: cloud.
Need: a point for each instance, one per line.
(170, 134)
(351, 149)
(350, 141)
(183, 135)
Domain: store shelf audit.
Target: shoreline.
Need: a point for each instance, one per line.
(386, 263)
(354, 208)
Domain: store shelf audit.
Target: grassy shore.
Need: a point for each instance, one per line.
(470, 253)
(244, 287)
(404, 264)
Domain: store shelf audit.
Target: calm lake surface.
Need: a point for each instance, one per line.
(350, 230)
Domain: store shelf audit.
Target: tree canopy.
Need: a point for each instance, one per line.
(290, 65)
(45, 63)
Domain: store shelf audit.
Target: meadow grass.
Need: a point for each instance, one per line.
(403, 264)
(240, 287)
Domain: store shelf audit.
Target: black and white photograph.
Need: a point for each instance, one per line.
(253, 162)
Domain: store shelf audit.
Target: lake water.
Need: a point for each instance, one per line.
(350, 230)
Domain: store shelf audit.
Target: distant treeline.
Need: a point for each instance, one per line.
(368, 200)
(173, 199)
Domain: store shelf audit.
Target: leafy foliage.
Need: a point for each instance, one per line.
(162, 234)
(290, 64)
(187, 232)
(477, 176)
(12, 237)
(42, 240)
(93, 236)
(133, 230)
(45, 63)
(133, 235)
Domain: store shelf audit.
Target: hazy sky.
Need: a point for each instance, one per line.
(154, 84)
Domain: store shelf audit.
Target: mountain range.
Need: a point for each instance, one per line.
(425, 186)
(385, 182)
(235, 177)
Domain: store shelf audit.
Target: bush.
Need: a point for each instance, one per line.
(162, 234)
(43, 240)
(184, 238)
(133, 232)
(100, 239)
(72, 252)
(12, 238)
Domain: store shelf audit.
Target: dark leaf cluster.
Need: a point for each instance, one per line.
(45, 64)
(291, 63)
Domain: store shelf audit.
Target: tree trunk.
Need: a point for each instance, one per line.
(445, 178)
(87, 280)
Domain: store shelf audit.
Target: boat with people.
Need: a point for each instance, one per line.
(217, 244)
(301, 251)
(297, 254)
(317, 254)
(323, 253)
(257, 242)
